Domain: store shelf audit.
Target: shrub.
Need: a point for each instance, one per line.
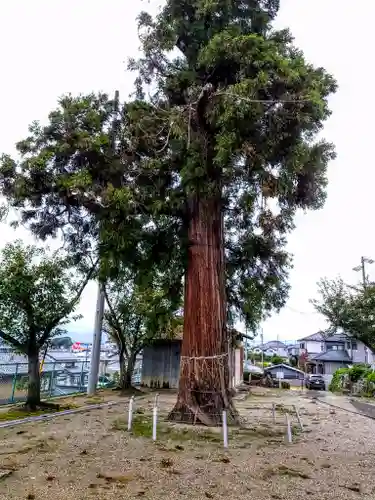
(336, 382)
(285, 385)
(358, 371)
(277, 360)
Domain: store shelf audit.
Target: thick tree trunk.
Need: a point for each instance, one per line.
(127, 370)
(204, 384)
(33, 387)
(122, 369)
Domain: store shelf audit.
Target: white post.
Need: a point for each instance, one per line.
(225, 429)
(154, 422)
(298, 417)
(288, 429)
(274, 413)
(155, 417)
(130, 415)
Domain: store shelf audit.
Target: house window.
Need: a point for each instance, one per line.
(352, 345)
(302, 345)
(335, 347)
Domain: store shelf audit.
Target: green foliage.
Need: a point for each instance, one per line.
(234, 116)
(293, 361)
(61, 342)
(38, 295)
(349, 309)
(358, 372)
(277, 360)
(139, 314)
(285, 385)
(336, 382)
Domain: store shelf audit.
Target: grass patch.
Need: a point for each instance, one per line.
(94, 400)
(259, 431)
(18, 412)
(142, 427)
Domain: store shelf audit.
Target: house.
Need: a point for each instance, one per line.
(161, 364)
(293, 350)
(289, 373)
(272, 348)
(327, 353)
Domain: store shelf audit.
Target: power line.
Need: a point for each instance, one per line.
(302, 312)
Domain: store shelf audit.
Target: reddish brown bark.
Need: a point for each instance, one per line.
(204, 390)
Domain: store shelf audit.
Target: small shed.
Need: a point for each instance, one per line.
(289, 372)
(161, 364)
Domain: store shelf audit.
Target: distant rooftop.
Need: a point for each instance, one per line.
(323, 337)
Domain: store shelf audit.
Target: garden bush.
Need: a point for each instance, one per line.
(336, 384)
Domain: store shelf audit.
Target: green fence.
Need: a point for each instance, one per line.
(57, 379)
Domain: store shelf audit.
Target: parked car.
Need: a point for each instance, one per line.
(315, 382)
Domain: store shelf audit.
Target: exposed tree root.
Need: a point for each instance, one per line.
(209, 414)
(42, 405)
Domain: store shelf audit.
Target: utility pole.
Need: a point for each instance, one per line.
(261, 340)
(362, 268)
(100, 301)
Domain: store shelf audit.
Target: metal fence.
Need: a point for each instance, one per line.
(57, 379)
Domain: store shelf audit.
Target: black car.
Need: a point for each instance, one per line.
(315, 382)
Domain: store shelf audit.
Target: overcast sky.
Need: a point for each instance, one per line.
(50, 47)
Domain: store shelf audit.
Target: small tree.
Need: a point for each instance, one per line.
(38, 294)
(137, 315)
(61, 342)
(277, 360)
(348, 309)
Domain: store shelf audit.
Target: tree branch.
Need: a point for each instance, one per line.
(116, 321)
(68, 309)
(15, 343)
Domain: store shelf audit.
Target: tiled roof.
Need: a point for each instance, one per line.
(323, 337)
(271, 344)
(332, 355)
(318, 337)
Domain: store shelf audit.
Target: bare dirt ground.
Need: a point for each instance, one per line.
(92, 456)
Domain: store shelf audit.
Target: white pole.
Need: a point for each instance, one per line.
(288, 429)
(274, 413)
(156, 400)
(298, 417)
(154, 422)
(130, 415)
(225, 429)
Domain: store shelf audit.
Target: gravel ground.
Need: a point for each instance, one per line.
(92, 456)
